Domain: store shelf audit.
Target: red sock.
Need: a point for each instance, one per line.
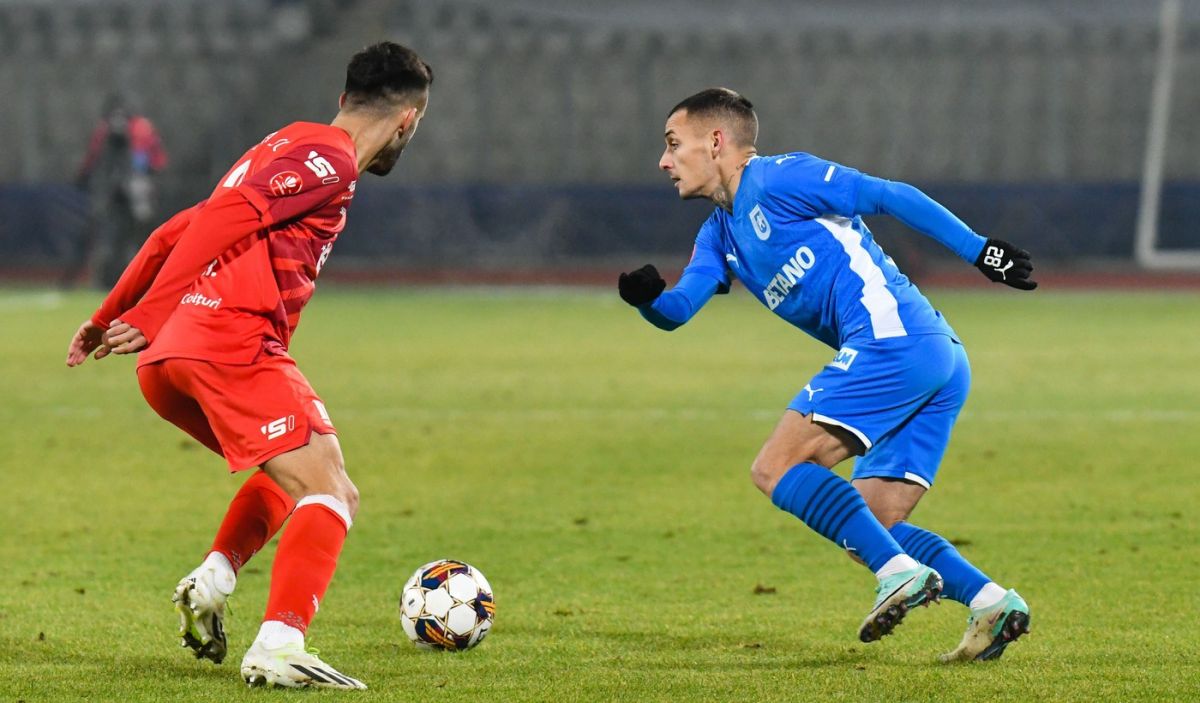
(255, 514)
(306, 559)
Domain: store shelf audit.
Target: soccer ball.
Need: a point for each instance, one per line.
(447, 604)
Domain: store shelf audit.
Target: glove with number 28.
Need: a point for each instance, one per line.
(1005, 263)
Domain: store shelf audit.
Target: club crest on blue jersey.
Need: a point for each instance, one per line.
(761, 227)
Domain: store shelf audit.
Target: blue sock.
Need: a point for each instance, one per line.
(828, 504)
(963, 580)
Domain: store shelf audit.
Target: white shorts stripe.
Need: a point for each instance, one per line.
(826, 420)
(881, 305)
(910, 476)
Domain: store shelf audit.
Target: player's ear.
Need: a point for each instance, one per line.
(341, 101)
(716, 142)
(406, 119)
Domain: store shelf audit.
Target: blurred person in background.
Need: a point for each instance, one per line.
(124, 153)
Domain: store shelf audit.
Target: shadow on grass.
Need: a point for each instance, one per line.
(169, 664)
(662, 650)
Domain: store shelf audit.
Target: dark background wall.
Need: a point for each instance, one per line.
(1027, 118)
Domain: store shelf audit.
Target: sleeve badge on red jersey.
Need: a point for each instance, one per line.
(286, 183)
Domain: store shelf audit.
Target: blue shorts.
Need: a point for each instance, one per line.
(900, 396)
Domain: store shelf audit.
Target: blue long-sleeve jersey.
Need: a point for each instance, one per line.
(796, 240)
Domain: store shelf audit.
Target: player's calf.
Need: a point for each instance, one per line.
(829, 505)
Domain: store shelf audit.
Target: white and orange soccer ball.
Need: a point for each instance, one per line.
(447, 604)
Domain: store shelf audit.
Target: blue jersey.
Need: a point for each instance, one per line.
(794, 241)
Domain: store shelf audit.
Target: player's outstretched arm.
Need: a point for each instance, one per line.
(224, 221)
(135, 280)
(644, 288)
(141, 271)
(998, 260)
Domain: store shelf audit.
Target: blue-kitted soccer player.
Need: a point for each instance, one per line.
(789, 228)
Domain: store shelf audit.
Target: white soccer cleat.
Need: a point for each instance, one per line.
(990, 630)
(200, 601)
(291, 666)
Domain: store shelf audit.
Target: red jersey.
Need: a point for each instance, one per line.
(270, 224)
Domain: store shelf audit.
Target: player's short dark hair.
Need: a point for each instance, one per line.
(723, 104)
(385, 74)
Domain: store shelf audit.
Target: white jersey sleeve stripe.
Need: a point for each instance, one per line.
(881, 305)
(829, 172)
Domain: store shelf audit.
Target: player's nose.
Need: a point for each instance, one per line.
(664, 163)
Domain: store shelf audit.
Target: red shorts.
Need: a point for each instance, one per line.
(246, 413)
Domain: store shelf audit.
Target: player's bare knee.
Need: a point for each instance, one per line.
(339, 485)
(770, 466)
(765, 473)
(764, 479)
(350, 497)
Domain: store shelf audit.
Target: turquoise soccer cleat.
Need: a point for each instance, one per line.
(991, 629)
(895, 595)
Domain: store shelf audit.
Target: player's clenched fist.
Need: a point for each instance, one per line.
(641, 286)
(1004, 263)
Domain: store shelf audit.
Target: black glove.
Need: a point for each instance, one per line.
(1004, 263)
(642, 286)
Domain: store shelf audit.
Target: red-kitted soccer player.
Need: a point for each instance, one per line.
(210, 304)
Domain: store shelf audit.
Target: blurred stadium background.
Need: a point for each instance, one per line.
(1038, 121)
(594, 468)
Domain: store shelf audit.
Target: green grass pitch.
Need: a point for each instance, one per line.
(596, 470)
